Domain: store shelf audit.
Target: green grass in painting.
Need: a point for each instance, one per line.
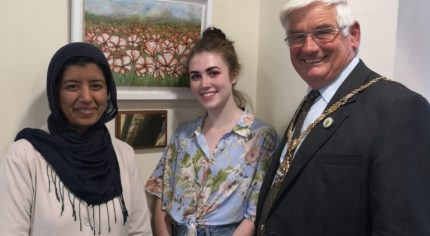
(130, 79)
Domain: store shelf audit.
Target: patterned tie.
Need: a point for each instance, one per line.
(268, 202)
(306, 106)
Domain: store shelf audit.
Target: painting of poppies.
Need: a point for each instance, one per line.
(146, 42)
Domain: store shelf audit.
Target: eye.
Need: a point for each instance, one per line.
(297, 36)
(213, 73)
(70, 86)
(323, 33)
(97, 86)
(195, 76)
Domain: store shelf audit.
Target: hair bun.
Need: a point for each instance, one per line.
(213, 32)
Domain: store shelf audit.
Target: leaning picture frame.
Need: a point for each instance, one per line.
(142, 129)
(145, 41)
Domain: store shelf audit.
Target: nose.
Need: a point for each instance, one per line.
(85, 94)
(205, 82)
(309, 44)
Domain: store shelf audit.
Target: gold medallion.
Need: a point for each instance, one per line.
(328, 122)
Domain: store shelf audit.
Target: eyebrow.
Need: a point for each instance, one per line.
(207, 69)
(72, 80)
(322, 26)
(212, 67)
(326, 25)
(97, 80)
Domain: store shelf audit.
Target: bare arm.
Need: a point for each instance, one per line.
(162, 223)
(245, 228)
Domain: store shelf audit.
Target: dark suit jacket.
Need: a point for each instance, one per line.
(368, 174)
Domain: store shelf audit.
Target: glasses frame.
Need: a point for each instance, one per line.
(334, 33)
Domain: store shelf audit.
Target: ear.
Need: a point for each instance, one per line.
(354, 32)
(234, 77)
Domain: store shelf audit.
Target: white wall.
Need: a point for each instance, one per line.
(31, 31)
(280, 88)
(413, 50)
(239, 19)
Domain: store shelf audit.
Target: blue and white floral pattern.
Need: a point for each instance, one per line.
(202, 188)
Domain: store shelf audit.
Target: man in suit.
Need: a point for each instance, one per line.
(360, 164)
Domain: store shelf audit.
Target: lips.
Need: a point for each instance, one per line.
(85, 112)
(312, 61)
(208, 94)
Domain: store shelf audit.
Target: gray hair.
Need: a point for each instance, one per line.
(343, 10)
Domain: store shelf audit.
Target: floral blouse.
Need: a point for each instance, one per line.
(200, 188)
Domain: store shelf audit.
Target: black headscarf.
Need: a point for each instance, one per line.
(85, 163)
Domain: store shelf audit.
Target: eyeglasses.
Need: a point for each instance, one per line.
(320, 36)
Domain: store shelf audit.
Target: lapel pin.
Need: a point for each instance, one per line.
(328, 122)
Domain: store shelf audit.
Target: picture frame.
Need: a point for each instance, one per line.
(143, 73)
(142, 129)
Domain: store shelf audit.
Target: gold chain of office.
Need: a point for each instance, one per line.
(292, 144)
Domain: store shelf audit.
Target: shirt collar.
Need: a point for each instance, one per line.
(327, 92)
(242, 127)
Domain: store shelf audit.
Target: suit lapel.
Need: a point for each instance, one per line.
(319, 135)
(310, 145)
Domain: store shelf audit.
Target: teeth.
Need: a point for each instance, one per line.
(312, 60)
(207, 94)
(85, 110)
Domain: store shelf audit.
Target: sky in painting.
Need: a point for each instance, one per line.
(149, 8)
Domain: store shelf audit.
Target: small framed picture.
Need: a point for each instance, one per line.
(142, 128)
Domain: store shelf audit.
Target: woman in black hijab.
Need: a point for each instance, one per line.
(71, 178)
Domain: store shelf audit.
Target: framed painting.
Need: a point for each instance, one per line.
(146, 42)
(142, 129)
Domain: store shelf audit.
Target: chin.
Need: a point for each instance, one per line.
(313, 79)
(85, 124)
(210, 106)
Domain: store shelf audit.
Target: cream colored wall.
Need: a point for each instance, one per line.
(279, 88)
(33, 30)
(239, 19)
(412, 54)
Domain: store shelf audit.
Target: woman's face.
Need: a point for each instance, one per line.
(210, 80)
(83, 95)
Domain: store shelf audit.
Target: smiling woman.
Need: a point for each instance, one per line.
(73, 166)
(207, 181)
(83, 93)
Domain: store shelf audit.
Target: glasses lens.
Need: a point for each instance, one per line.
(321, 36)
(325, 35)
(295, 39)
